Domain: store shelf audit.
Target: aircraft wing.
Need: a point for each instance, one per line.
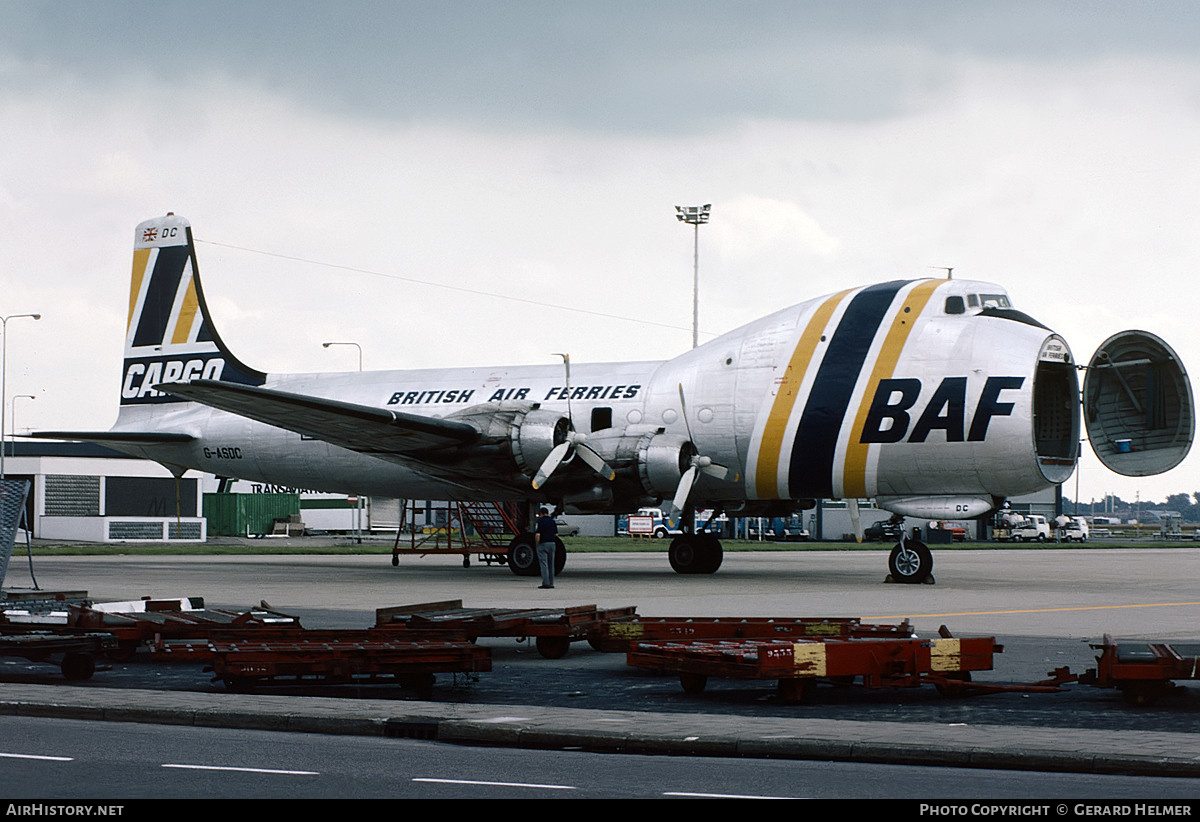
(361, 428)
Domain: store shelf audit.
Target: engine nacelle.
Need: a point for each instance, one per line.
(662, 459)
(519, 430)
(648, 461)
(534, 436)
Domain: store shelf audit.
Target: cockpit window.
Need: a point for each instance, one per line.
(957, 304)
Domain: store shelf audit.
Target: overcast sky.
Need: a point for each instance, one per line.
(467, 183)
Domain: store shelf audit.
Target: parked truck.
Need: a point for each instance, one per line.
(1072, 529)
(1011, 527)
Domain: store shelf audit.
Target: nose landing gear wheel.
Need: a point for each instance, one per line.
(911, 562)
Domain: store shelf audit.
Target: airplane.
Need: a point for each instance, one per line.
(936, 398)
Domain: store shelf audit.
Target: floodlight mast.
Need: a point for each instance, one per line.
(356, 345)
(695, 216)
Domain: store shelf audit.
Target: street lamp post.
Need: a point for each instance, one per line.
(4, 378)
(695, 216)
(14, 411)
(357, 499)
(356, 345)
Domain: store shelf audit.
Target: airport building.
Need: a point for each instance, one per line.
(90, 493)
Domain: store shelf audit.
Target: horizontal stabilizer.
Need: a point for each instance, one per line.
(361, 428)
(116, 437)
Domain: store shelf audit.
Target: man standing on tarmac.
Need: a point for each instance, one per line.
(545, 542)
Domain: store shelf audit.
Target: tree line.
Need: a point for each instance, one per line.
(1187, 505)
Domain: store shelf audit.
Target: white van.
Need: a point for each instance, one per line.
(1033, 528)
(1075, 529)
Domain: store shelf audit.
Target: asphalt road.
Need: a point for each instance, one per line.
(82, 760)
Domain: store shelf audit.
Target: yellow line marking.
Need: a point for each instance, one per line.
(1034, 610)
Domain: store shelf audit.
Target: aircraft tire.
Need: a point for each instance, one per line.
(685, 554)
(560, 556)
(695, 554)
(910, 562)
(522, 556)
(711, 553)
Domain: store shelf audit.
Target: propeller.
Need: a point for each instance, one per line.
(700, 464)
(575, 444)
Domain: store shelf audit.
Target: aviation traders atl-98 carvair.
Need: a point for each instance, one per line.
(936, 398)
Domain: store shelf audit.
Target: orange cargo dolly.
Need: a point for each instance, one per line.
(554, 628)
(875, 662)
(76, 651)
(182, 622)
(620, 636)
(342, 657)
(1142, 671)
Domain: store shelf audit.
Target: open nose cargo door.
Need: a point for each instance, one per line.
(1137, 405)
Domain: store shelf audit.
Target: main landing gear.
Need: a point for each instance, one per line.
(695, 553)
(910, 561)
(523, 559)
(692, 552)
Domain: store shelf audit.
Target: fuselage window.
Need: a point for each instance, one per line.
(954, 305)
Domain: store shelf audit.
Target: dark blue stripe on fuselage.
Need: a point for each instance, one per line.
(160, 296)
(810, 472)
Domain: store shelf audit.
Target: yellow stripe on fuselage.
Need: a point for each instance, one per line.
(766, 475)
(140, 257)
(187, 314)
(854, 477)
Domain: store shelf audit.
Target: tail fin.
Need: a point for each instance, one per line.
(170, 336)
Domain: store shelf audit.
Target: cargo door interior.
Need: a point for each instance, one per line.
(1137, 405)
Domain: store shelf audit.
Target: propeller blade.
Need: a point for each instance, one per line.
(594, 460)
(683, 411)
(684, 489)
(552, 461)
(700, 463)
(566, 358)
